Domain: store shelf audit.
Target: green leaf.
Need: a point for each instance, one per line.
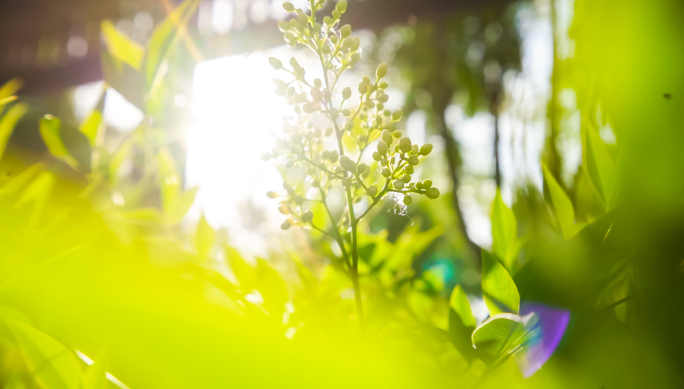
(91, 126)
(243, 271)
(498, 289)
(37, 192)
(460, 305)
(272, 288)
(350, 144)
(11, 87)
(50, 132)
(7, 100)
(461, 323)
(117, 159)
(7, 124)
(7, 313)
(17, 183)
(163, 40)
(204, 237)
(504, 232)
(500, 334)
(121, 46)
(95, 375)
(52, 365)
(563, 206)
(599, 166)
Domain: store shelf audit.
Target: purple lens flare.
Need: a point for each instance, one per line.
(551, 323)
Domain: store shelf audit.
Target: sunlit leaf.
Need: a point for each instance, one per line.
(164, 38)
(498, 289)
(52, 365)
(117, 160)
(350, 144)
(461, 322)
(204, 237)
(504, 232)
(95, 375)
(121, 46)
(6, 314)
(91, 126)
(599, 166)
(182, 204)
(11, 87)
(272, 288)
(565, 212)
(500, 334)
(7, 100)
(7, 124)
(243, 271)
(50, 127)
(37, 192)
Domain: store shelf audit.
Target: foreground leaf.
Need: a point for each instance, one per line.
(599, 166)
(563, 206)
(50, 128)
(52, 365)
(7, 124)
(500, 334)
(504, 232)
(121, 46)
(498, 289)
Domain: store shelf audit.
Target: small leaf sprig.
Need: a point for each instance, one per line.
(354, 125)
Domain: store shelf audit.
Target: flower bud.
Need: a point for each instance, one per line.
(398, 184)
(377, 156)
(285, 225)
(283, 25)
(419, 185)
(347, 164)
(426, 149)
(382, 147)
(339, 170)
(346, 93)
(345, 31)
(333, 156)
(307, 216)
(409, 169)
(341, 6)
(386, 137)
(296, 138)
(406, 178)
(299, 200)
(427, 184)
(405, 145)
(271, 194)
(432, 193)
(347, 181)
(396, 134)
(284, 209)
(288, 7)
(408, 200)
(372, 191)
(328, 131)
(413, 160)
(386, 172)
(381, 71)
(361, 168)
(266, 156)
(346, 112)
(383, 85)
(363, 88)
(414, 149)
(308, 108)
(276, 63)
(289, 164)
(396, 115)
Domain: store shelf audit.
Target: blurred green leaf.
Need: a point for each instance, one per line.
(504, 232)
(11, 87)
(563, 206)
(23, 178)
(117, 159)
(91, 126)
(272, 288)
(599, 166)
(350, 144)
(95, 375)
(498, 289)
(121, 46)
(6, 314)
(52, 365)
(8, 122)
(37, 192)
(461, 323)
(15, 383)
(500, 334)
(164, 38)
(204, 237)
(243, 271)
(7, 100)
(183, 202)
(50, 127)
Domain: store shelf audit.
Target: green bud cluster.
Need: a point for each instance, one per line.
(356, 115)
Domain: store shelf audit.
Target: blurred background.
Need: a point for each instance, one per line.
(499, 87)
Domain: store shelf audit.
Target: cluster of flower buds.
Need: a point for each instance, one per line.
(355, 126)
